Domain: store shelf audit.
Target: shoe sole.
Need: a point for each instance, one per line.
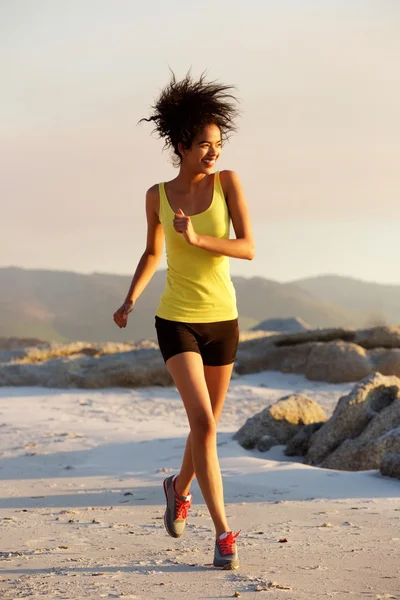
(169, 531)
(230, 566)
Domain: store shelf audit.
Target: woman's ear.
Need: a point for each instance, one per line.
(181, 149)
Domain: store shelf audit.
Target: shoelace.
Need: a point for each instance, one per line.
(227, 545)
(182, 507)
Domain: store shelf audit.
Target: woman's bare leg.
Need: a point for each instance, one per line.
(217, 380)
(188, 373)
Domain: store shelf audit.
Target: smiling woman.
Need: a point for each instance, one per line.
(197, 318)
(185, 107)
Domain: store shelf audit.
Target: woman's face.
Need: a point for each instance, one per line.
(205, 150)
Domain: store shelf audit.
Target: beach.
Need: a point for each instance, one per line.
(81, 503)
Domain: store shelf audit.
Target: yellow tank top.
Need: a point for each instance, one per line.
(198, 287)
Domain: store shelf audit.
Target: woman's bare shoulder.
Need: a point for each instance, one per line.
(153, 198)
(228, 179)
(153, 190)
(228, 175)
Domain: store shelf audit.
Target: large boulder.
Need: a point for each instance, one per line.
(337, 362)
(278, 423)
(375, 396)
(260, 355)
(390, 465)
(363, 453)
(387, 362)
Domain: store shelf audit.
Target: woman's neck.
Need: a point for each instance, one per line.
(188, 179)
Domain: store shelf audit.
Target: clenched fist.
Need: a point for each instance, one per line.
(183, 225)
(121, 315)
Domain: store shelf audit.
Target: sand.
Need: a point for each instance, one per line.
(81, 503)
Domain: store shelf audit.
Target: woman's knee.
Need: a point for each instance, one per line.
(203, 427)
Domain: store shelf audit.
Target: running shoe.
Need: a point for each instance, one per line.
(177, 509)
(226, 554)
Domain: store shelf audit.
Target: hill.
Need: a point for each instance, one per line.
(62, 305)
(380, 303)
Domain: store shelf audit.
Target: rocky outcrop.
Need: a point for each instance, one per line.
(370, 410)
(362, 434)
(140, 367)
(362, 454)
(332, 355)
(378, 337)
(375, 337)
(46, 351)
(278, 423)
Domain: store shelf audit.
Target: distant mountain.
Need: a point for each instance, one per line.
(62, 305)
(380, 303)
(288, 325)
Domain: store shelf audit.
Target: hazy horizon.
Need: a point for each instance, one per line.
(317, 149)
(244, 275)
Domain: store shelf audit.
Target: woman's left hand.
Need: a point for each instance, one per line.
(183, 225)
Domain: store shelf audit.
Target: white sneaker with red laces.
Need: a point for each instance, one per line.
(226, 554)
(177, 508)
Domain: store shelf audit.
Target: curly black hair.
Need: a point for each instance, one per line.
(185, 107)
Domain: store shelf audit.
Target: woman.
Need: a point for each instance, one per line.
(197, 319)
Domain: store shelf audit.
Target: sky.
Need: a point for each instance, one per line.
(317, 148)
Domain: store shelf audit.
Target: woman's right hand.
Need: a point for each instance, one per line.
(121, 315)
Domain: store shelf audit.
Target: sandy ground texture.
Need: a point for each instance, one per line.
(81, 503)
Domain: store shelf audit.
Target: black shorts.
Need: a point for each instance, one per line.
(216, 342)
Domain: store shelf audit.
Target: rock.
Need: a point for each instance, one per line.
(387, 362)
(375, 337)
(337, 362)
(299, 444)
(315, 335)
(127, 369)
(378, 337)
(279, 422)
(261, 354)
(332, 355)
(266, 442)
(142, 367)
(354, 412)
(332, 361)
(390, 465)
(362, 454)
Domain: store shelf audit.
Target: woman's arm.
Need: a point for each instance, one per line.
(149, 261)
(243, 245)
(151, 257)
